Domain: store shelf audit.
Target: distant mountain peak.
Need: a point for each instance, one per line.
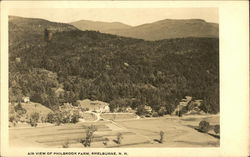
(99, 25)
(39, 24)
(162, 29)
(198, 20)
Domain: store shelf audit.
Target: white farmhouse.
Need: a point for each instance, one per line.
(26, 99)
(97, 106)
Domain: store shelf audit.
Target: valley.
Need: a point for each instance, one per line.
(154, 85)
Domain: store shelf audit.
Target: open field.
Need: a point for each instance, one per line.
(118, 116)
(179, 132)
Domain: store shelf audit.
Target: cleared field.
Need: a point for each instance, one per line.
(179, 132)
(89, 117)
(32, 107)
(118, 116)
(55, 136)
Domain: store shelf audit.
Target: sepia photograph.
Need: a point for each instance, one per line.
(114, 80)
(120, 78)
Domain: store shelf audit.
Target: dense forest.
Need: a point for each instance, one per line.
(54, 63)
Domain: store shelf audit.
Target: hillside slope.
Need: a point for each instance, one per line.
(30, 108)
(164, 29)
(36, 107)
(120, 71)
(29, 29)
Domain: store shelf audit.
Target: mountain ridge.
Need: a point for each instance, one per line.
(99, 25)
(162, 29)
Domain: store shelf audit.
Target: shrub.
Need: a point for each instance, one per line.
(34, 119)
(89, 136)
(65, 144)
(204, 126)
(12, 118)
(19, 109)
(35, 116)
(217, 129)
(119, 138)
(155, 114)
(141, 110)
(184, 110)
(161, 136)
(50, 117)
(179, 113)
(42, 119)
(56, 118)
(14, 123)
(64, 116)
(105, 141)
(75, 118)
(162, 111)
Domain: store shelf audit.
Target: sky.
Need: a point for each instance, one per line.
(130, 16)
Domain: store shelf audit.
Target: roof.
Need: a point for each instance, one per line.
(87, 103)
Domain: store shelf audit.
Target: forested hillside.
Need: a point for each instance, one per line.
(76, 64)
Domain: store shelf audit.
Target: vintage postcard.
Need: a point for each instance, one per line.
(123, 78)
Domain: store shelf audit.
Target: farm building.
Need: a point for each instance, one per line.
(130, 110)
(188, 106)
(148, 108)
(182, 104)
(124, 109)
(18, 59)
(97, 106)
(194, 107)
(26, 99)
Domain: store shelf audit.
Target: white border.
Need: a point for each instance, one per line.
(234, 75)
